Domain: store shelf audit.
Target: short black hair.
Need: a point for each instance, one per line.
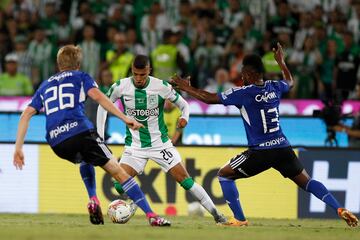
(141, 61)
(254, 61)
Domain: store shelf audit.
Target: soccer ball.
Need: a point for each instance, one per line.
(120, 211)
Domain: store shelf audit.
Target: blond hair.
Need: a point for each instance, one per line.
(69, 57)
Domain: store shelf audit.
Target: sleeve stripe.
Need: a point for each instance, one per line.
(177, 97)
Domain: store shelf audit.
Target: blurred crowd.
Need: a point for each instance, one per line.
(206, 39)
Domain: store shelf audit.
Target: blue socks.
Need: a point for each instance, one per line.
(321, 192)
(87, 173)
(231, 196)
(133, 190)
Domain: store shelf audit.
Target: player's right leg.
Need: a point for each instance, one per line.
(133, 190)
(87, 173)
(134, 163)
(244, 165)
(70, 150)
(226, 176)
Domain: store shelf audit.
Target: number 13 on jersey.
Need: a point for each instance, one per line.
(273, 116)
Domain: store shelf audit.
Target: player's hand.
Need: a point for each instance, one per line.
(279, 54)
(133, 124)
(179, 83)
(18, 159)
(339, 128)
(181, 123)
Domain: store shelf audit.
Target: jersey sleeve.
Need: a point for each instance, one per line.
(169, 93)
(233, 96)
(283, 86)
(114, 92)
(88, 82)
(37, 101)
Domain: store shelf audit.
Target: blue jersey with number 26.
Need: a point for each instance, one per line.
(62, 97)
(259, 107)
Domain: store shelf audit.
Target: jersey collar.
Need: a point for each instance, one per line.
(146, 84)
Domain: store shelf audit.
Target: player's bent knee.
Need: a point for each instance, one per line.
(226, 172)
(187, 183)
(221, 173)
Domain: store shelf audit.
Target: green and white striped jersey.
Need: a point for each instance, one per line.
(146, 105)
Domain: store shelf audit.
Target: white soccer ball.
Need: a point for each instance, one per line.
(120, 211)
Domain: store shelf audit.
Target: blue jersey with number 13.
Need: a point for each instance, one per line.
(259, 107)
(62, 96)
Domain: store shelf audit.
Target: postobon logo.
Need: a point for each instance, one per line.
(61, 129)
(136, 113)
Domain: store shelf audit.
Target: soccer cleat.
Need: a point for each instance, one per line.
(234, 222)
(157, 221)
(220, 219)
(94, 209)
(348, 216)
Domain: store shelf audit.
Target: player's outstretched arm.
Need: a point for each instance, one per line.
(101, 121)
(184, 85)
(23, 125)
(280, 59)
(105, 102)
(183, 105)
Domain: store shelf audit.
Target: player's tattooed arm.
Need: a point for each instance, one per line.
(280, 59)
(184, 85)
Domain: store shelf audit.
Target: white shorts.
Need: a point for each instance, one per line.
(167, 158)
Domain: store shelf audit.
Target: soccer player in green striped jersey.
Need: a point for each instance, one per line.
(143, 99)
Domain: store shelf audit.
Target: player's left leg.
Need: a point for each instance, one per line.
(87, 172)
(289, 166)
(318, 189)
(170, 161)
(118, 187)
(180, 174)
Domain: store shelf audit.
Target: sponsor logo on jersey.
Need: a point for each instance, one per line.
(61, 129)
(142, 113)
(272, 142)
(265, 97)
(60, 76)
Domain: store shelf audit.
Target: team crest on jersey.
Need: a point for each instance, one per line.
(152, 101)
(140, 100)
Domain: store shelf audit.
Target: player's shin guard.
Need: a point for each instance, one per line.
(87, 173)
(201, 195)
(231, 196)
(321, 192)
(133, 190)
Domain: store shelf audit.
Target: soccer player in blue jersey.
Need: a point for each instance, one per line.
(70, 133)
(258, 102)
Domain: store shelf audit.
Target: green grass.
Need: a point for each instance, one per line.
(61, 226)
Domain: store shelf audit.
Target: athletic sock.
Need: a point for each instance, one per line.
(321, 192)
(118, 187)
(231, 196)
(201, 195)
(133, 190)
(87, 173)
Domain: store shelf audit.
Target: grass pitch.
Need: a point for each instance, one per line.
(64, 226)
